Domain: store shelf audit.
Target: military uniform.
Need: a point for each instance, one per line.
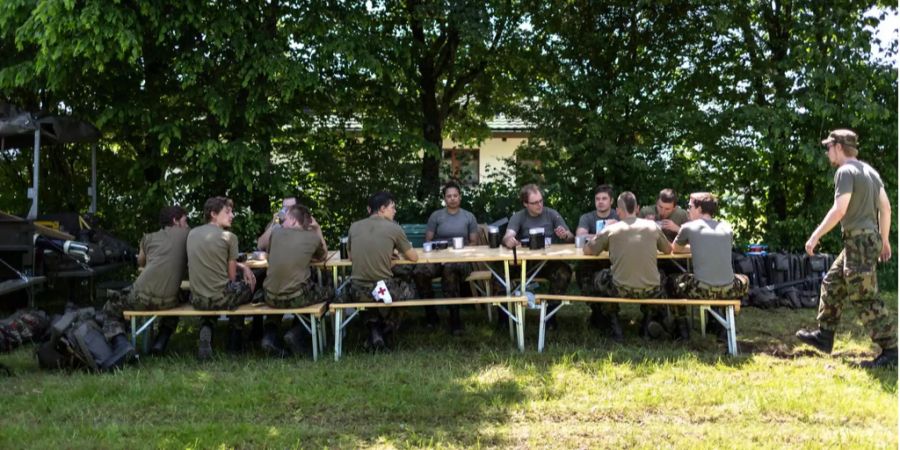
(678, 215)
(209, 250)
(158, 287)
(585, 270)
(851, 279)
(288, 283)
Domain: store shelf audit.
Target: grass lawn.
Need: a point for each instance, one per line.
(475, 391)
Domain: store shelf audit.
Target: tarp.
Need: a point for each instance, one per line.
(17, 128)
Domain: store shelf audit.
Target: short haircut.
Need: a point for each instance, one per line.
(604, 188)
(170, 214)
(527, 190)
(301, 214)
(379, 200)
(451, 185)
(667, 196)
(215, 205)
(707, 202)
(627, 202)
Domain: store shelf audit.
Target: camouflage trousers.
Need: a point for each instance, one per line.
(604, 286)
(361, 291)
(310, 293)
(129, 300)
(236, 293)
(452, 277)
(23, 326)
(850, 281)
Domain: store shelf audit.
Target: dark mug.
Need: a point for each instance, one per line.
(344, 248)
(493, 237)
(536, 238)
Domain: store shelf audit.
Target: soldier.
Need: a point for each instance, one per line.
(213, 270)
(709, 241)
(632, 244)
(535, 215)
(589, 224)
(447, 223)
(863, 209)
(373, 243)
(164, 259)
(296, 243)
(667, 214)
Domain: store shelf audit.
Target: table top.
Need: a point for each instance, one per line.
(264, 263)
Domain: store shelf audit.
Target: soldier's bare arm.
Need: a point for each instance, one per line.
(884, 224)
(834, 216)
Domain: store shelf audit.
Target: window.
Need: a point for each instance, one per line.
(461, 164)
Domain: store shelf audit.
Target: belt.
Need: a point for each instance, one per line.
(712, 288)
(852, 233)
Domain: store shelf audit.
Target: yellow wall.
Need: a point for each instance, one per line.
(491, 152)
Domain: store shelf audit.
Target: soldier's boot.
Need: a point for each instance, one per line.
(431, 317)
(456, 325)
(887, 358)
(162, 340)
(257, 330)
(123, 352)
(294, 339)
(270, 343)
(615, 329)
(821, 339)
(651, 329)
(376, 340)
(598, 319)
(204, 343)
(683, 329)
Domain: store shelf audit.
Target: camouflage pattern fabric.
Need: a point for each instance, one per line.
(236, 294)
(452, 276)
(850, 281)
(361, 291)
(310, 293)
(686, 286)
(129, 300)
(23, 326)
(604, 286)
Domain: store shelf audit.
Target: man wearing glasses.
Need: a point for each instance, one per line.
(535, 215)
(863, 209)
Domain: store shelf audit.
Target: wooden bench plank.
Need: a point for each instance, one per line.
(251, 309)
(643, 301)
(430, 302)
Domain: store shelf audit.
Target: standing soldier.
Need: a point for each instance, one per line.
(862, 207)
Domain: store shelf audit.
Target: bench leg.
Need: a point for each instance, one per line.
(703, 321)
(732, 332)
(512, 329)
(338, 318)
(520, 325)
(134, 332)
(315, 336)
(541, 328)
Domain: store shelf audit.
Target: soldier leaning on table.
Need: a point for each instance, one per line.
(709, 241)
(372, 245)
(863, 209)
(535, 215)
(212, 253)
(446, 224)
(587, 225)
(164, 259)
(296, 243)
(632, 244)
(666, 213)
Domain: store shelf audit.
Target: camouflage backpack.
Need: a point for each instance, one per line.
(77, 342)
(24, 326)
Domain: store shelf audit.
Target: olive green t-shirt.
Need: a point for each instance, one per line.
(209, 249)
(632, 244)
(372, 241)
(679, 216)
(290, 251)
(166, 263)
(864, 184)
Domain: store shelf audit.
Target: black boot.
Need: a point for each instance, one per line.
(270, 343)
(651, 329)
(431, 317)
(376, 340)
(683, 329)
(821, 339)
(123, 351)
(456, 325)
(161, 341)
(294, 340)
(257, 329)
(887, 358)
(204, 343)
(235, 343)
(615, 329)
(598, 320)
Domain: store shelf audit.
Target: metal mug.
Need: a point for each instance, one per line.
(457, 243)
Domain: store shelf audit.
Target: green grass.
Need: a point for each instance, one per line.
(475, 391)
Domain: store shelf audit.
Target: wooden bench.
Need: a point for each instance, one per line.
(516, 303)
(309, 316)
(731, 308)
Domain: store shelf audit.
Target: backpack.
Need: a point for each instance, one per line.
(24, 326)
(77, 342)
